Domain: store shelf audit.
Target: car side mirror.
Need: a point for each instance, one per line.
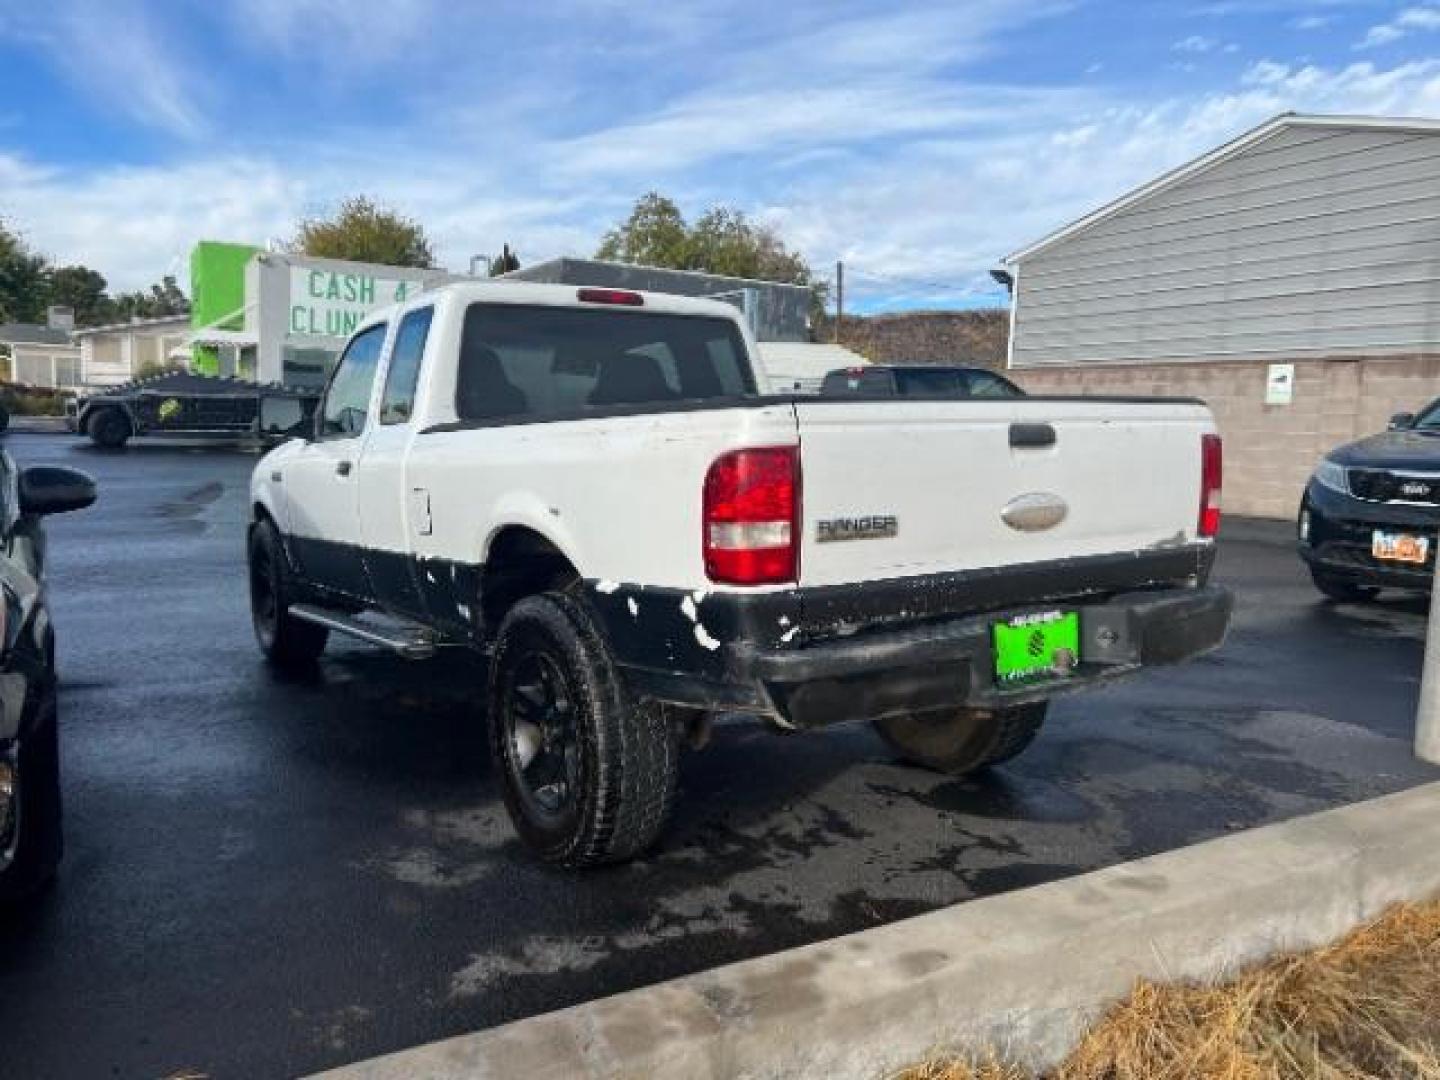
(1402, 421)
(54, 489)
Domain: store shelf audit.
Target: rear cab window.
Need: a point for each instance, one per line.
(529, 363)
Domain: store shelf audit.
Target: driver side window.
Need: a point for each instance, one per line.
(348, 398)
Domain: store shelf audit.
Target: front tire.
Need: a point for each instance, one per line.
(961, 741)
(110, 428)
(588, 771)
(31, 839)
(286, 641)
(1343, 591)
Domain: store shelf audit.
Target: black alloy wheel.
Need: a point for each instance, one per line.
(542, 736)
(284, 639)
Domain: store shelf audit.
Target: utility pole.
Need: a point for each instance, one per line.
(1427, 719)
(839, 298)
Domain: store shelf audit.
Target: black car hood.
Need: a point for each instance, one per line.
(1413, 450)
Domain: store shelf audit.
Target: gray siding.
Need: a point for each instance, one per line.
(1317, 241)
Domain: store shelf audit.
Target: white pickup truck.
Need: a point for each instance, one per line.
(588, 486)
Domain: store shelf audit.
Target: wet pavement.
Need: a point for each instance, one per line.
(266, 877)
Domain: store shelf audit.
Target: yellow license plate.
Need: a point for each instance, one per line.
(1399, 547)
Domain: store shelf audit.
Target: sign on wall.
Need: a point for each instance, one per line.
(331, 303)
(1280, 384)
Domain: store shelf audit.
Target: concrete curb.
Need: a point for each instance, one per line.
(46, 425)
(1024, 973)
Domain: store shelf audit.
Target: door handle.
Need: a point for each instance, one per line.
(1032, 435)
(343, 468)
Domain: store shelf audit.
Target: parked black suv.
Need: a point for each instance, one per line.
(1371, 511)
(30, 837)
(918, 380)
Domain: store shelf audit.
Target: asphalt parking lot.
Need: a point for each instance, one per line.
(266, 877)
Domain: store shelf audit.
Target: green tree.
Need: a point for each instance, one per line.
(24, 288)
(723, 240)
(655, 234)
(83, 290)
(505, 262)
(364, 231)
(157, 302)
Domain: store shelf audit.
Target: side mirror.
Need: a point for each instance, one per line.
(54, 489)
(1402, 421)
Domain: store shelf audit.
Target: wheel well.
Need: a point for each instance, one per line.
(102, 407)
(520, 563)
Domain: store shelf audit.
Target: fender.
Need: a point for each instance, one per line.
(527, 510)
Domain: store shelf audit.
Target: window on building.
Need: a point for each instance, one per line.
(398, 403)
(105, 349)
(67, 371)
(348, 399)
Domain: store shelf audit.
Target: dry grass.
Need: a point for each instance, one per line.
(1367, 1006)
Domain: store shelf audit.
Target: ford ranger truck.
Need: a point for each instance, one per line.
(585, 487)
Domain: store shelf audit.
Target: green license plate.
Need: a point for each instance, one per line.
(1036, 648)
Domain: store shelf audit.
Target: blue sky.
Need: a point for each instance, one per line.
(918, 141)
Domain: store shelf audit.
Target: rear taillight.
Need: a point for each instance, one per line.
(623, 297)
(1211, 457)
(751, 516)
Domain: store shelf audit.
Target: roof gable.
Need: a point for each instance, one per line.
(1226, 152)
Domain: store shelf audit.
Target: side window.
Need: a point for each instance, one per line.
(929, 384)
(348, 398)
(398, 403)
(983, 384)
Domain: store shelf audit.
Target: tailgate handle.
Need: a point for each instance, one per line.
(1032, 435)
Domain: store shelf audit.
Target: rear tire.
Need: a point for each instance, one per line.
(1343, 591)
(110, 428)
(286, 641)
(960, 741)
(36, 835)
(588, 771)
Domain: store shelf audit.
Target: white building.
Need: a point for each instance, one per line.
(116, 353)
(1310, 236)
(40, 355)
(1290, 279)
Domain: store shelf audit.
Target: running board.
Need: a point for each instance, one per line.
(407, 639)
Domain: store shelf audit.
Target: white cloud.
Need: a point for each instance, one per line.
(1409, 21)
(350, 35)
(1195, 43)
(917, 171)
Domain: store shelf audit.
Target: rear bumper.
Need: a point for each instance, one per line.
(952, 663)
(808, 679)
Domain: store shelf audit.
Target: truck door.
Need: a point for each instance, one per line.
(322, 478)
(390, 514)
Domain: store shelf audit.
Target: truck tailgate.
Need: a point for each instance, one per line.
(904, 487)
